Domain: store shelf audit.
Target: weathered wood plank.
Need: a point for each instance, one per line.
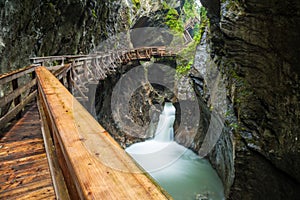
(19, 152)
(28, 188)
(21, 161)
(30, 173)
(24, 170)
(88, 149)
(18, 167)
(17, 144)
(40, 194)
(36, 60)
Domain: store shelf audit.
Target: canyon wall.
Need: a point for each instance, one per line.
(256, 46)
(42, 28)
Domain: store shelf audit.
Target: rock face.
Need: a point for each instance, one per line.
(144, 105)
(38, 28)
(255, 45)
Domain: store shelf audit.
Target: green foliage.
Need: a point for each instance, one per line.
(94, 13)
(174, 21)
(190, 10)
(184, 69)
(200, 28)
(235, 126)
(165, 5)
(136, 4)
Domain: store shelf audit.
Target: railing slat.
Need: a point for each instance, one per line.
(5, 78)
(13, 94)
(11, 114)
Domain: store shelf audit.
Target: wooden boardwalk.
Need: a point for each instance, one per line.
(24, 170)
(81, 160)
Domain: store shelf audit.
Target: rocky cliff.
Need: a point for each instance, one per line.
(255, 45)
(41, 28)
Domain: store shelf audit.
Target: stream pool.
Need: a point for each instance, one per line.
(181, 172)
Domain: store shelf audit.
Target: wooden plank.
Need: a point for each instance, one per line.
(12, 95)
(42, 193)
(88, 149)
(21, 151)
(5, 78)
(21, 161)
(29, 172)
(11, 114)
(62, 72)
(18, 144)
(11, 194)
(22, 181)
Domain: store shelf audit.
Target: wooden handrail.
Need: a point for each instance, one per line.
(156, 51)
(13, 102)
(5, 78)
(93, 164)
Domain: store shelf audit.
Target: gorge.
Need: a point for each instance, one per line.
(244, 71)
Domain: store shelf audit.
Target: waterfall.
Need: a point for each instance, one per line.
(165, 131)
(182, 173)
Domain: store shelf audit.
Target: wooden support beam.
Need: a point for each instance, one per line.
(97, 166)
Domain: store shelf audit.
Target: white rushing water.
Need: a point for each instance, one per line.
(182, 173)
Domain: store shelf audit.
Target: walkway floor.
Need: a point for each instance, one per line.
(24, 170)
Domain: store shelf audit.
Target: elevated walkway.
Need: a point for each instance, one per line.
(59, 151)
(24, 170)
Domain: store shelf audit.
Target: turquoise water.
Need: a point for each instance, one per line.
(182, 173)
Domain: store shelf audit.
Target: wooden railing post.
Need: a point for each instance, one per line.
(33, 76)
(17, 100)
(69, 81)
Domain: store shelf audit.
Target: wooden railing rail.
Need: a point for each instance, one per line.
(131, 54)
(16, 97)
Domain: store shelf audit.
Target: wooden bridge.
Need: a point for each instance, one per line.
(51, 147)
